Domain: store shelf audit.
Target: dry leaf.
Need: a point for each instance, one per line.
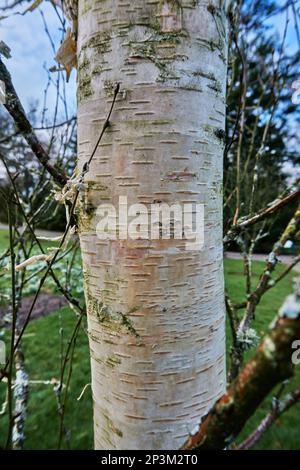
(67, 53)
(5, 50)
(33, 6)
(2, 93)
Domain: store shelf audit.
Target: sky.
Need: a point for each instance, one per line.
(32, 52)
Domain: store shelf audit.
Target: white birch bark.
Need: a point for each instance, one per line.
(155, 310)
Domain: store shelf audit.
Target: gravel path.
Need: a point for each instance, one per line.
(45, 304)
(40, 233)
(285, 259)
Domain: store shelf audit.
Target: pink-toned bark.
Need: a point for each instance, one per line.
(155, 309)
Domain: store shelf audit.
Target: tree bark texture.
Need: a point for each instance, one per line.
(155, 310)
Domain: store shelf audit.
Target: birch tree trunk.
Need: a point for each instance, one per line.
(155, 310)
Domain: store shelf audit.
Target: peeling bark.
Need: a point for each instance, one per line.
(155, 310)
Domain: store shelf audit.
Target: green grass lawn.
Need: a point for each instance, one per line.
(285, 434)
(4, 240)
(42, 346)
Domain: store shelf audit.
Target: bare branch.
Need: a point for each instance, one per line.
(271, 365)
(16, 110)
(263, 283)
(262, 215)
(277, 410)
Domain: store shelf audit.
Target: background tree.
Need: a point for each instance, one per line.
(261, 154)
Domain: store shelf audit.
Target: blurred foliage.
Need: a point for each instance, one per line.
(43, 359)
(262, 121)
(33, 183)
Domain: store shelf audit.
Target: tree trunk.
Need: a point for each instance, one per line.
(155, 308)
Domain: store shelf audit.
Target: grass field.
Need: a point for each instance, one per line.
(45, 338)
